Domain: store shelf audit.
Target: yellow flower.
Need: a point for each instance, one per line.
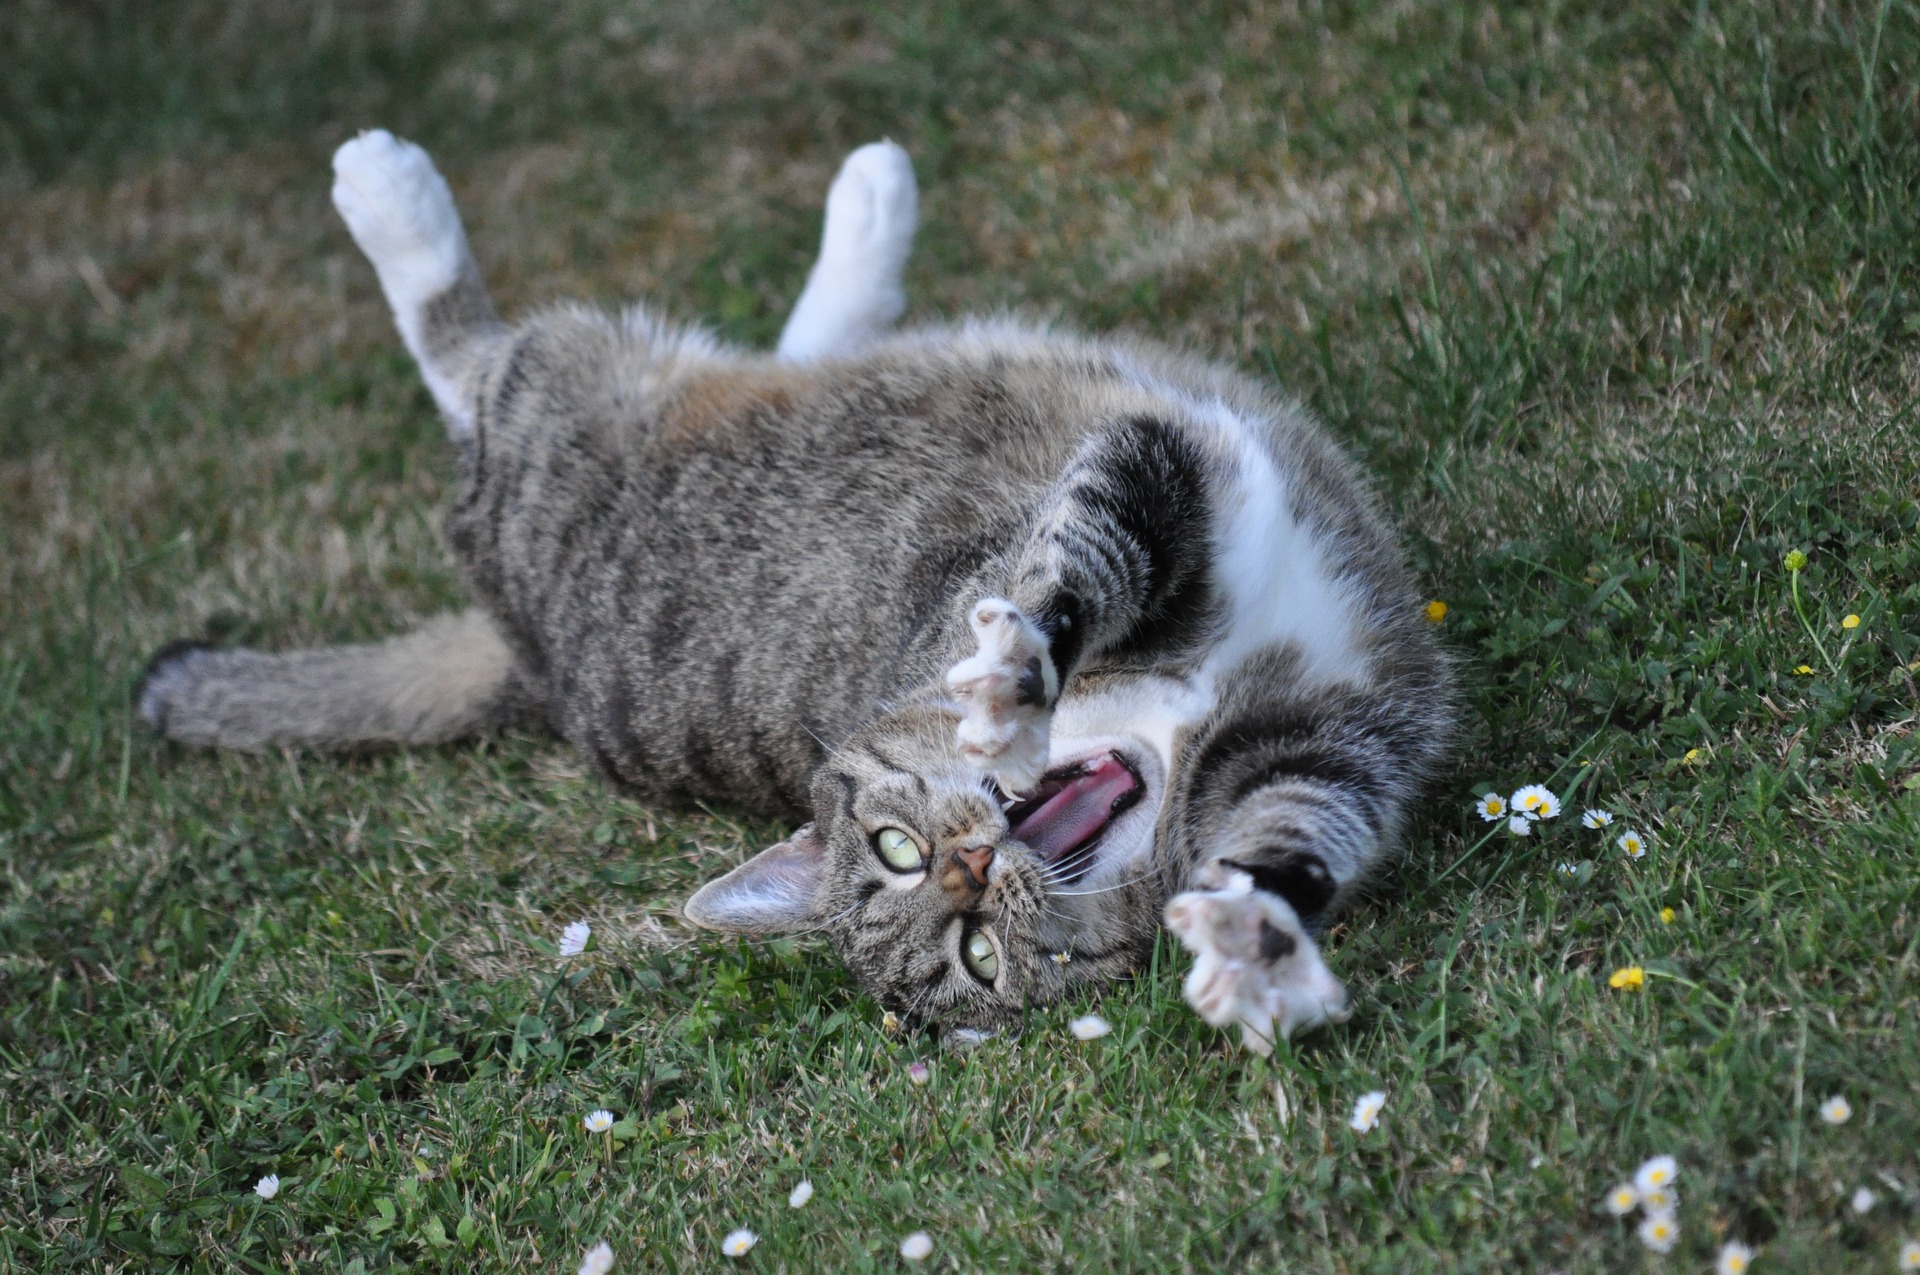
(1436, 611)
(1668, 916)
(1795, 560)
(1803, 670)
(1628, 978)
(1695, 756)
(1851, 622)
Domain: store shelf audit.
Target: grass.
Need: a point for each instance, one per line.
(1622, 303)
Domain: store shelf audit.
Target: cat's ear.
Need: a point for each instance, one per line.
(771, 893)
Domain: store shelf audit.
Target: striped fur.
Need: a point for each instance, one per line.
(796, 587)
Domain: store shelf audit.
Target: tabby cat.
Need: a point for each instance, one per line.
(1048, 638)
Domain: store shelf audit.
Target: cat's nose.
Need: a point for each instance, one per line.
(975, 859)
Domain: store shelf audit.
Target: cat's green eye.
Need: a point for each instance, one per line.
(897, 850)
(980, 956)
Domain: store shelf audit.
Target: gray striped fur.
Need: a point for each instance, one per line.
(727, 578)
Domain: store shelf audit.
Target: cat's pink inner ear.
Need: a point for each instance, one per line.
(771, 893)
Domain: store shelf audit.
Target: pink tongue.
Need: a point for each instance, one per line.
(1076, 812)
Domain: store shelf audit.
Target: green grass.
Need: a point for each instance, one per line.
(1622, 303)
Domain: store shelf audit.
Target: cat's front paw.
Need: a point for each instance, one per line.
(1254, 964)
(1005, 691)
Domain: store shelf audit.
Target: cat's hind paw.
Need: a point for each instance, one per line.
(1254, 964)
(401, 213)
(872, 208)
(855, 292)
(1004, 691)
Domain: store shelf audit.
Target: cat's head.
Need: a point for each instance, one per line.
(947, 901)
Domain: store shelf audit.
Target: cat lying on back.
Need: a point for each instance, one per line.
(1048, 637)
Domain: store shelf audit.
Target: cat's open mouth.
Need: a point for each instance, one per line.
(1063, 819)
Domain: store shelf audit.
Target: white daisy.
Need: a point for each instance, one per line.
(1520, 826)
(1836, 1110)
(1092, 1027)
(917, 1247)
(598, 1261)
(573, 939)
(798, 1197)
(1658, 1172)
(1633, 844)
(1568, 871)
(1662, 1199)
(1734, 1259)
(1910, 1255)
(919, 1073)
(268, 1187)
(1864, 1200)
(739, 1243)
(1660, 1232)
(1596, 818)
(1492, 807)
(598, 1121)
(1536, 801)
(1623, 1199)
(1366, 1111)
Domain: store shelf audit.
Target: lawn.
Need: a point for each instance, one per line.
(1620, 301)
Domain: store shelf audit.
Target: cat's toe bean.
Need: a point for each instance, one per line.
(1003, 690)
(1253, 964)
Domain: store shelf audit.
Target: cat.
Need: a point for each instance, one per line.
(1046, 638)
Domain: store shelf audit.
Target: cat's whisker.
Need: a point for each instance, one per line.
(1083, 855)
(1107, 889)
(832, 752)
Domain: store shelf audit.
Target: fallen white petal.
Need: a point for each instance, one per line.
(1092, 1027)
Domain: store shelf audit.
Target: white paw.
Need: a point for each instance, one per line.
(1253, 964)
(401, 214)
(1004, 691)
(872, 209)
(854, 292)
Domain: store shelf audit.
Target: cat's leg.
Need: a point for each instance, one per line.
(855, 293)
(450, 679)
(1114, 568)
(401, 213)
(1289, 796)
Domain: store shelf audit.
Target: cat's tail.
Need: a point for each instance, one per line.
(401, 214)
(452, 678)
